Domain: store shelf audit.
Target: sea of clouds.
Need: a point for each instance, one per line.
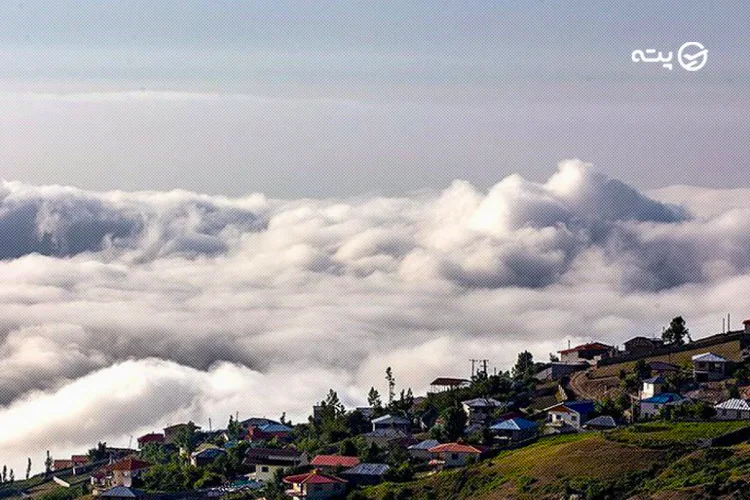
(123, 312)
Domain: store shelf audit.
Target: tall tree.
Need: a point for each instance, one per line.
(677, 332)
(524, 367)
(12, 477)
(28, 468)
(47, 464)
(454, 422)
(373, 399)
(186, 438)
(391, 385)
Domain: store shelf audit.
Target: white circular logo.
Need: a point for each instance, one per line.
(691, 60)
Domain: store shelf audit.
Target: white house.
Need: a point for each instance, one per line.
(652, 406)
(709, 366)
(480, 409)
(652, 386)
(453, 455)
(733, 409)
(571, 413)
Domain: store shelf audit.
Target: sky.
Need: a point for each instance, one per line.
(220, 207)
(326, 98)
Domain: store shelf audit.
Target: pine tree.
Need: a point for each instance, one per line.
(373, 399)
(677, 332)
(391, 385)
(28, 468)
(47, 464)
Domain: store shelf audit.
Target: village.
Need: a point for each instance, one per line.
(400, 438)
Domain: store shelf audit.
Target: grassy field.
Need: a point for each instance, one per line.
(616, 464)
(546, 469)
(659, 435)
(731, 350)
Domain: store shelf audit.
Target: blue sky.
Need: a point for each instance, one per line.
(402, 95)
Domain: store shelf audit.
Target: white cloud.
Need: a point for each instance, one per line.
(123, 312)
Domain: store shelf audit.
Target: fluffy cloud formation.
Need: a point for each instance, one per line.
(124, 312)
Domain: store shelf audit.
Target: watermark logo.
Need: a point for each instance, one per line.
(692, 56)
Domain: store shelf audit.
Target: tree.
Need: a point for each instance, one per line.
(47, 464)
(391, 385)
(373, 399)
(524, 367)
(553, 358)
(98, 453)
(235, 432)
(642, 369)
(5, 474)
(12, 477)
(28, 468)
(454, 422)
(677, 332)
(187, 438)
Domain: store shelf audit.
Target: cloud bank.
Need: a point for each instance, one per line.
(123, 312)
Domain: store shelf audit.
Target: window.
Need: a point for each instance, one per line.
(264, 469)
(454, 456)
(573, 418)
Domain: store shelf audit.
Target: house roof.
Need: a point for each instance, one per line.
(483, 403)
(334, 461)
(581, 407)
(514, 424)
(292, 453)
(647, 339)
(80, 459)
(130, 464)
(388, 432)
(455, 448)
(663, 398)
(366, 469)
(709, 357)
(391, 419)
(655, 380)
(591, 346)
(602, 421)
(268, 428)
(62, 464)
(123, 492)
(449, 381)
(661, 366)
(425, 445)
(733, 404)
(153, 437)
(313, 477)
(257, 422)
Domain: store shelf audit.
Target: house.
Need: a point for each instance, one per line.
(652, 406)
(453, 455)
(600, 423)
(80, 460)
(366, 474)
(570, 413)
(153, 437)
(206, 454)
(264, 462)
(123, 492)
(269, 431)
(516, 429)
(421, 450)
(556, 370)
(709, 366)
(334, 462)
(590, 353)
(383, 437)
(315, 485)
(480, 410)
(663, 368)
(391, 422)
(442, 384)
(120, 473)
(62, 464)
(733, 409)
(171, 432)
(256, 422)
(642, 345)
(652, 386)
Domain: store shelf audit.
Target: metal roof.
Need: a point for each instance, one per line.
(123, 492)
(514, 424)
(602, 421)
(664, 398)
(425, 445)
(368, 469)
(655, 380)
(733, 404)
(482, 403)
(710, 358)
(390, 419)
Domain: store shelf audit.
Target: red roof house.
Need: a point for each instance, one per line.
(153, 437)
(334, 461)
(586, 352)
(315, 483)
(453, 454)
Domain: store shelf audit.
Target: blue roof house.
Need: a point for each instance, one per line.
(516, 429)
(651, 407)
